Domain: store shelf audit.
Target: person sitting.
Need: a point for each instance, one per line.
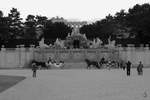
(53, 63)
(49, 59)
(59, 65)
(50, 62)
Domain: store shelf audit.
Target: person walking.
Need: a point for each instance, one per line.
(34, 69)
(140, 68)
(128, 68)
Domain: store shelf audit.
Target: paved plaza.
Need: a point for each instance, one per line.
(78, 84)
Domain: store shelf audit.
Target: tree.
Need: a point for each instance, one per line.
(40, 26)
(15, 24)
(102, 29)
(4, 27)
(120, 17)
(107, 27)
(1, 14)
(56, 30)
(89, 30)
(122, 29)
(139, 19)
(41, 20)
(30, 27)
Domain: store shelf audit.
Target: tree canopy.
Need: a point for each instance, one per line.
(133, 24)
(56, 30)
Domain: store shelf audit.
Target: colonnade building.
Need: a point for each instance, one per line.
(73, 24)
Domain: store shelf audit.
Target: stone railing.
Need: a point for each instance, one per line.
(75, 55)
(16, 57)
(21, 57)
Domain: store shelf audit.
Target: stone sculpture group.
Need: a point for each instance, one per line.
(96, 43)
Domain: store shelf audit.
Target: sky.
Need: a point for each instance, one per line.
(83, 10)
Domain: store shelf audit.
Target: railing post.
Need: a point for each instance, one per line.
(3, 56)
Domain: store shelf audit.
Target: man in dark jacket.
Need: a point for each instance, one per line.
(128, 68)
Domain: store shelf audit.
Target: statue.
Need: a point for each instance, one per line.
(96, 43)
(50, 45)
(39, 31)
(84, 36)
(42, 44)
(69, 34)
(75, 31)
(111, 44)
(109, 40)
(59, 43)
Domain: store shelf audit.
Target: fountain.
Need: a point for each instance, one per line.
(76, 40)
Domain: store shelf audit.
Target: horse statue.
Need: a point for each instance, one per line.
(92, 63)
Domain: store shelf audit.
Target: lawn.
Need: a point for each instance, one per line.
(9, 81)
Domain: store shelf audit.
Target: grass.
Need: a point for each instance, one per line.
(8, 81)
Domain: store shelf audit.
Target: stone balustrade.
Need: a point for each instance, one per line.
(21, 56)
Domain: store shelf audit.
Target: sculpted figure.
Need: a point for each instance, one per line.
(42, 44)
(111, 44)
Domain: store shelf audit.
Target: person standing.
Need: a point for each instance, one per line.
(34, 69)
(140, 68)
(49, 63)
(128, 68)
(123, 65)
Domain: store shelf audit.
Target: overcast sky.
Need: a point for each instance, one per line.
(69, 9)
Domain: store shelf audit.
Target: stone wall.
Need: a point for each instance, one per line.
(15, 58)
(75, 55)
(20, 57)
(135, 54)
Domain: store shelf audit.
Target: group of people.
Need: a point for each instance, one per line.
(108, 63)
(51, 62)
(127, 66)
(123, 65)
